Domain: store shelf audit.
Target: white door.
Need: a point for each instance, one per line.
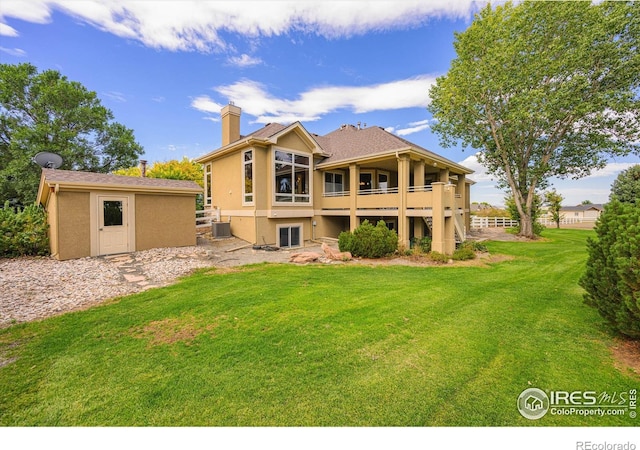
(113, 229)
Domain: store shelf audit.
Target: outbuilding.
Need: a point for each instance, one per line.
(93, 214)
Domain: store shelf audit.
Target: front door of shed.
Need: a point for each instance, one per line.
(113, 227)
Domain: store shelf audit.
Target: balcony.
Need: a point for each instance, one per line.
(417, 197)
(378, 198)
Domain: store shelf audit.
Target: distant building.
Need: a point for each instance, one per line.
(585, 213)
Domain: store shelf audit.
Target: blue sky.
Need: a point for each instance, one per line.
(165, 68)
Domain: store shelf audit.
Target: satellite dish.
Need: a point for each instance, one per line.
(48, 160)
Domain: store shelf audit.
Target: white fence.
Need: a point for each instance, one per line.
(546, 221)
(505, 222)
(205, 217)
(492, 222)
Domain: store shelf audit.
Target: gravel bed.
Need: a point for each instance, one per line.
(33, 288)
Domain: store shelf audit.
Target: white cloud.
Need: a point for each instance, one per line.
(254, 99)
(6, 30)
(115, 96)
(244, 60)
(196, 25)
(14, 52)
(205, 104)
(35, 11)
(414, 127)
(611, 169)
(480, 172)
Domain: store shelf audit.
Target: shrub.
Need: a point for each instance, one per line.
(23, 232)
(438, 257)
(345, 241)
(612, 278)
(368, 241)
(475, 246)
(463, 253)
(422, 245)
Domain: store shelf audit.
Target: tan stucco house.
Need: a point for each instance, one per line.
(92, 214)
(282, 185)
(589, 212)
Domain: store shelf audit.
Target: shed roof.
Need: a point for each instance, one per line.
(106, 181)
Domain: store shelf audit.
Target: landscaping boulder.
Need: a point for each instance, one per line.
(334, 254)
(304, 257)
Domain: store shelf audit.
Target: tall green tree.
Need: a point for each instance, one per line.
(543, 89)
(612, 276)
(553, 200)
(626, 188)
(44, 111)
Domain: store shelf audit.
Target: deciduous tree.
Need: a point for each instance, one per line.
(47, 112)
(553, 201)
(543, 89)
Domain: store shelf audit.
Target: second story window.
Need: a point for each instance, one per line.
(247, 186)
(292, 177)
(333, 183)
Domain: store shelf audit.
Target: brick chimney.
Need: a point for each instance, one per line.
(230, 123)
(143, 168)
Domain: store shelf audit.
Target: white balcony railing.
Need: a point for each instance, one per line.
(425, 188)
(393, 190)
(336, 194)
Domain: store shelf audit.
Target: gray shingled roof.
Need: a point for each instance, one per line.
(596, 206)
(349, 142)
(90, 178)
(266, 132)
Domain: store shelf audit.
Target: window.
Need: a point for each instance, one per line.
(207, 185)
(366, 181)
(112, 210)
(292, 177)
(383, 181)
(289, 236)
(247, 188)
(333, 183)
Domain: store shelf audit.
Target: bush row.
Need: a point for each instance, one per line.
(23, 232)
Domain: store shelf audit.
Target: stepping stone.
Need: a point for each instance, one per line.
(134, 278)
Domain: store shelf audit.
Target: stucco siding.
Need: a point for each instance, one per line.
(73, 225)
(52, 220)
(292, 141)
(164, 221)
(244, 228)
(226, 175)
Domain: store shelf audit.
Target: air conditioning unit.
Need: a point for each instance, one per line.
(221, 229)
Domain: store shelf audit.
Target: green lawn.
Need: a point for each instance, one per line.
(323, 345)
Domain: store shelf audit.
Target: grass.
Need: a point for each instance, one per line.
(351, 345)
